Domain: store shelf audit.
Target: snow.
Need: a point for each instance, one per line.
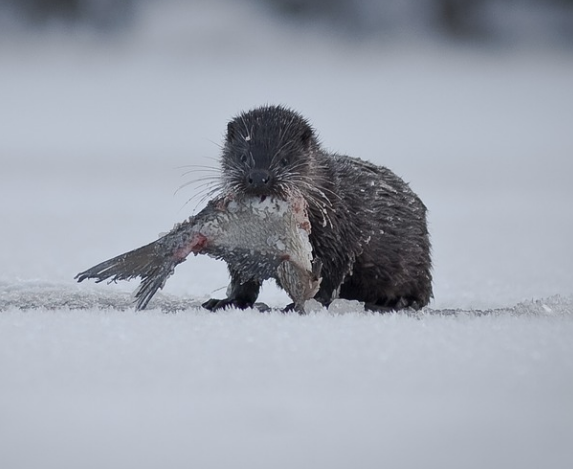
(95, 135)
(107, 389)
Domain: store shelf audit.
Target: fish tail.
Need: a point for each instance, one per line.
(150, 263)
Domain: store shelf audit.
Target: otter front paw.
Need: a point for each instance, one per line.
(213, 304)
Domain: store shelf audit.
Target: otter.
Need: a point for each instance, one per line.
(368, 228)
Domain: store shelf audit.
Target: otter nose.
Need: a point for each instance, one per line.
(258, 179)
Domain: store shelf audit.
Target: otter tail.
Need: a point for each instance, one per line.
(151, 263)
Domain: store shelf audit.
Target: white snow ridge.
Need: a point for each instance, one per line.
(48, 296)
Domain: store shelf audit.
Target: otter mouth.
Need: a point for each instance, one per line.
(262, 194)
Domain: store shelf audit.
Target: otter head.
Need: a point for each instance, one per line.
(268, 152)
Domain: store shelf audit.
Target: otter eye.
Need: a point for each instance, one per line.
(284, 162)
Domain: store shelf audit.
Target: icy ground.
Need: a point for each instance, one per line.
(94, 136)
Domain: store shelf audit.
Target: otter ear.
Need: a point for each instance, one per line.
(306, 137)
(231, 130)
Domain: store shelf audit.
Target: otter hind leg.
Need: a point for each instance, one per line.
(389, 305)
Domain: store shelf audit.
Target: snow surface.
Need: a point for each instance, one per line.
(94, 138)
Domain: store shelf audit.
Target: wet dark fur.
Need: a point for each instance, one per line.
(368, 227)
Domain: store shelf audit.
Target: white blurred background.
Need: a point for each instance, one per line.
(104, 102)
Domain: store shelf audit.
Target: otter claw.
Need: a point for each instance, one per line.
(294, 307)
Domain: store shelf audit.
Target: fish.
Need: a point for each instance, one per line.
(262, 237)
